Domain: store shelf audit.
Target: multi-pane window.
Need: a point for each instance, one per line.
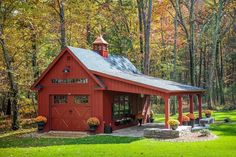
(60, 99)
(121, 106)
(70, 80)
(81, 99)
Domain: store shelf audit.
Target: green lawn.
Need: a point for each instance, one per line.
(219, 116)
(224, 146)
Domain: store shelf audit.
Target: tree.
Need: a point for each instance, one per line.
(177, 5)
(215, 46)
(58, 6)
(146, 14)
(6, 13)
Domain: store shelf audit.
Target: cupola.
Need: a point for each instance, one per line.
(100, 46)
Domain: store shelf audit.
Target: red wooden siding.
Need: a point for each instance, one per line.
(121, 86)
(136, 104)
(76, 71)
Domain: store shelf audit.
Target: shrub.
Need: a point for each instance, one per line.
(41, 119)
(93, 121)
(205, 132)
(151, 114)
(191, 116)
(208, 112)
(185, 119)
(173, 122)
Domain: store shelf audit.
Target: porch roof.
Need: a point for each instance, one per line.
(121, 67)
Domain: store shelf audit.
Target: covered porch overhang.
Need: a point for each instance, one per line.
(172, 89)
(167, 103)
(180, 95)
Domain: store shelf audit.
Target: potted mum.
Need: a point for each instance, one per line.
(151, 116)
(93, 123)
(208, 113)
(185, 120)
(173, 124)
(140, 118)
(192, 119)
(41, 121)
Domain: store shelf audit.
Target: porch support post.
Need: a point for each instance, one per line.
(146, 108)
(199, 96)
(191, 103)
(167, 110)
(180, 108)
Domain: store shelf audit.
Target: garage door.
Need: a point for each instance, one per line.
(70, 113)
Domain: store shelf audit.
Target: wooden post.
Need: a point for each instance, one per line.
(199, 105)
(191, 109)
(146, 108)
(167, 110)
(180, 108)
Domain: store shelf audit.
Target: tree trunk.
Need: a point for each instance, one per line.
(205, 66)
(221, 80)
(191, 43)
(216, 35)
(147, 28)
(140, 31)
(175, 48)
(88, 33)
(62, 25)
(34, 62)
(12, 83)
(200, 68)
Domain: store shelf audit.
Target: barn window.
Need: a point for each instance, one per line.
(70, 80)
(60, 99)
(81, 99)
(121, 106)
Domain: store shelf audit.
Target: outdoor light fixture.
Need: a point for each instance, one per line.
(66, 70)
(142, 95)
(39, 87)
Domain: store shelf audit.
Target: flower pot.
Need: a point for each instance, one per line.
(140, 121)
(192, 123)
(197, 121)
(107, 129)
(93, 128)
(41, 127)
(208, 115)
(174, 127)
(185, 123)
(151, 120)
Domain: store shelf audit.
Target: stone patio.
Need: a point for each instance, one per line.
(138, 131)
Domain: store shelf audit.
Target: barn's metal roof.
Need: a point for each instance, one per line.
(121, 67)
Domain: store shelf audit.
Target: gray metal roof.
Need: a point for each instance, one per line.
(121, 67)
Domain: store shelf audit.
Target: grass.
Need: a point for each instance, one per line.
(225, 145)
(219, 116)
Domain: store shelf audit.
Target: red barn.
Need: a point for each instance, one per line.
(81, 83)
